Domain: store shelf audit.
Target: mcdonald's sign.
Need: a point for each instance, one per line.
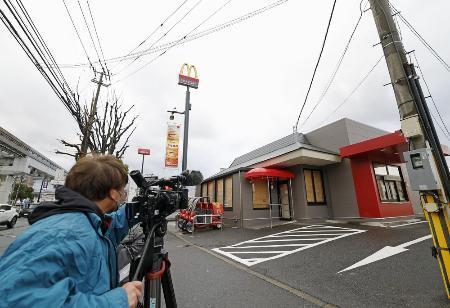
(186, 78)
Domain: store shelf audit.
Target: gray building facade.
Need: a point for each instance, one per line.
(304, 176)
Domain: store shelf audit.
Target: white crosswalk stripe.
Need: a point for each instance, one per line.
(281, 244)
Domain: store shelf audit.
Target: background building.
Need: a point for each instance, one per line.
(21, 163)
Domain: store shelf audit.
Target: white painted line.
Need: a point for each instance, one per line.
(250, 252)
(290, 240)
(386, 252)
(411, 223)
(264, 246)
(280, 238)
(301, 235)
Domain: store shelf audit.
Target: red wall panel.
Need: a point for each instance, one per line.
(369, 203)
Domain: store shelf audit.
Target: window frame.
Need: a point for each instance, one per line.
(387, 186)
(315, 203)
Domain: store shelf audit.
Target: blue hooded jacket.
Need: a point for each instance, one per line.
(66, 258)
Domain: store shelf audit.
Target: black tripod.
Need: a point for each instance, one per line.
(154, 265)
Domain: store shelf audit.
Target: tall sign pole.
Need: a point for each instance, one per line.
(185, 78)
(425, 162)
(143, 152)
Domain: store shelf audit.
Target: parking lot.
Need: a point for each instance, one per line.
(343, 265)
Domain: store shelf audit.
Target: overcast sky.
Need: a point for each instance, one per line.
(253, 75)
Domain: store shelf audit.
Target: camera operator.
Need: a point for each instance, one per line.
(67, 257)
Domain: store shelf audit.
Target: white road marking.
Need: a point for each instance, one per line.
(386, 252)
(311, 236)
(411, 223)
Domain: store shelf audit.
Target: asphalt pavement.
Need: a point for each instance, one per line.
(407, 279)
(7, 236)
(300, 265)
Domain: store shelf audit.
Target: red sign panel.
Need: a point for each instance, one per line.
(144, 151)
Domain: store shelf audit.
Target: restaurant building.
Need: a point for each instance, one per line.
(345, 169)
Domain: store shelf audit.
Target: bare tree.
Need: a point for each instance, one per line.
(110, 132)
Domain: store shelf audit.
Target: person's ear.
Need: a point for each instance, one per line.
(114, 195)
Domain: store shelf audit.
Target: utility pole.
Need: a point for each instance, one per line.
(89, 120)
(427, 168)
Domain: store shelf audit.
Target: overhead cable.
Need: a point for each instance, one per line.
(90, 35)
(33, 59)
(154, 31)
(421, 39)
(45, 47)
(337, 67)
(182, 38)
(431, 96)
(347, 98)
(96, 34)
(61, 84)
(317, 64)
(164, 35)
(190, 37)
(79, 37)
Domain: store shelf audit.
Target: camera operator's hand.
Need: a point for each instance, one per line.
(134, 292)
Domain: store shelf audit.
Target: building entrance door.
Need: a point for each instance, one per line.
(284, 201)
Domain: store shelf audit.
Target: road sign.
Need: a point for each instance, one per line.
(143, 151)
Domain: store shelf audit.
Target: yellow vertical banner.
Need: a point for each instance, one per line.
(172, 145)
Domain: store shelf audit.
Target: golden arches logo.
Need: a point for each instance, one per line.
(188, 69)
(188, 76)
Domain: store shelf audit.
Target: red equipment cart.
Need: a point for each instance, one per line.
(200, 214)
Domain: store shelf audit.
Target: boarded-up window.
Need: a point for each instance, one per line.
(204, 190)
(315, 193)
(219, 190)
(211, 191)
(260, 194)
(228, 193)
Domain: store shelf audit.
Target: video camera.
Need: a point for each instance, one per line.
(157, 198)
(161, 197)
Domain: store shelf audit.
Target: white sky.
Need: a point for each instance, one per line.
(253, 76)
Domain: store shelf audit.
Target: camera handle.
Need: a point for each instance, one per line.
(154, 265)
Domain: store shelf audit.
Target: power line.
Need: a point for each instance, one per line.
(154, 31)
(33, 59)
(338, 65)
(90, 35)
(317, 64)
(42, 42)
(429, 94)
(78, 35)
(62, 84)
(191, 37)
(439, 125)
(164, 35)
(421, 39)
(96, 34)
(354, 90)
(182, 38)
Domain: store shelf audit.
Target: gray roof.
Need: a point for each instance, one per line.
(279, 147)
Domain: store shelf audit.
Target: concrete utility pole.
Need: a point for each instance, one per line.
(427, 168)
(91, 116)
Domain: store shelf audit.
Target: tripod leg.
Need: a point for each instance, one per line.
(153, 291)
(167, 286)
